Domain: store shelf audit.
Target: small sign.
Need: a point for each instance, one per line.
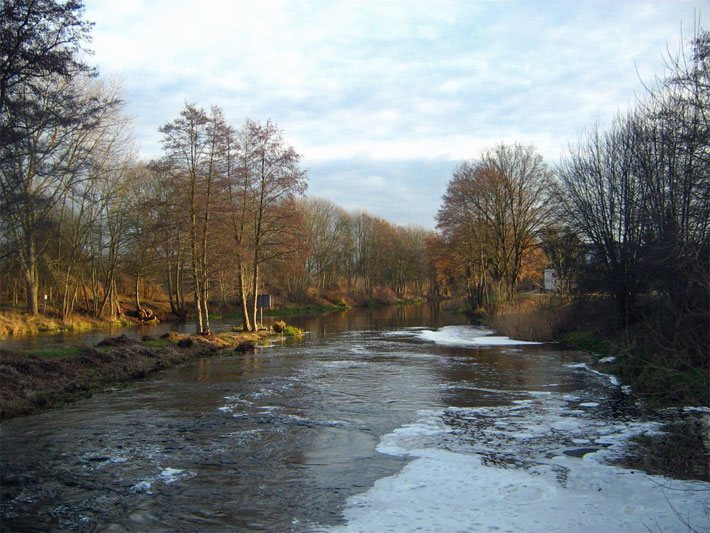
(263, 300)
(552, 282)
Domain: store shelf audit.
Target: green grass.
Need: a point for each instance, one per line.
(157, 343)
(235, 315)
(53, 353)
(589, 341)
(292, 331)
(306, 309)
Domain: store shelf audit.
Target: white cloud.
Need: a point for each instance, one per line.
(388, 82)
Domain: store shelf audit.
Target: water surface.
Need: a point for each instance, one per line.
(287, 437)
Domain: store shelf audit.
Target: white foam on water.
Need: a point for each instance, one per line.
(584, 366)
(465, 336)
(171, 475)
(358, 349)
(141, 487)
(494, 468)
(346, 363)
(605, 360)
(404, 332)
(167, 475)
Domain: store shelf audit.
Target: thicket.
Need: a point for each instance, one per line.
(625, 223)
(218, 219)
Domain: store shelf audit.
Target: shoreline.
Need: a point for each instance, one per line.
(31, 383)
(17, 324)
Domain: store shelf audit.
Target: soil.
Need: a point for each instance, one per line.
(32, 383)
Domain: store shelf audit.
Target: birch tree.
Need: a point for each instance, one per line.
(194, 145)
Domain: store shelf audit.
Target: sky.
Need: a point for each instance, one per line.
(384, 99)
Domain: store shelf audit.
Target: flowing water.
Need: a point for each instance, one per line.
(295, 437)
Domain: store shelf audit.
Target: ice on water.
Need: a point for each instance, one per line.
(540, 468)
(537, 465)
(467, 336)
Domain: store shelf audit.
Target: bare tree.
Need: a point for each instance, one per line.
(276, 179)
(604, 202)
(194, 144)
(496, 207)
(49, 161)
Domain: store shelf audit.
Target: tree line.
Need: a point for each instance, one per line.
(221, 215)
(626, 213)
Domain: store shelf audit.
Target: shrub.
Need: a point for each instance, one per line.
(292, 331)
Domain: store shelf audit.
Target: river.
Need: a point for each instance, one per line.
(379, 420)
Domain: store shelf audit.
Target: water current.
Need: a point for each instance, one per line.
(365, 424)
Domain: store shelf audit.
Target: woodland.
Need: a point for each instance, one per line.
(223, 214)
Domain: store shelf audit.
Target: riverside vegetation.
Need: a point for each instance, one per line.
(37, 380)
(662, 379)
(222, 216)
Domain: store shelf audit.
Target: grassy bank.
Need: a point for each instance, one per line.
(31, 382)
(13, 323)
(661, 378)
(660, 375)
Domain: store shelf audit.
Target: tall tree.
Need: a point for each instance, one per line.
(50, 161)
(276, 179)
(39, 40)
(50, 120)
(604, 202)
(496, 207)
(194, 145)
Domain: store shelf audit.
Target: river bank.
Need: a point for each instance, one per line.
(33, 382)
(645, 356)
(660, 380)
(16, 324)
(393, 409)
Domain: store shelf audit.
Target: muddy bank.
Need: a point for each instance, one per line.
(32, 382)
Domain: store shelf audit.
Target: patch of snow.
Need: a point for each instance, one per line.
(466, 336)
(540, 469)
(589, 404)
(584, 366)
(696, 409)
(171, 475)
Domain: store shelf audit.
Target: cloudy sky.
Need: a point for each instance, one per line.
(384, 98)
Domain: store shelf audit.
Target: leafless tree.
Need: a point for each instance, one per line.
(496, 207)
(194, 145)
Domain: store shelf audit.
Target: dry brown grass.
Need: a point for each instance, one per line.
(13, 323)
(534, 318)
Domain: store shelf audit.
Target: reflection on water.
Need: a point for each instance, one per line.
(317, 326)
(277, 439)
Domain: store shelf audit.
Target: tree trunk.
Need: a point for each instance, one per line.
(65, 294)
(255, 293)
(243, 294)
(138, 296)
(204, 295)
(31, 290)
